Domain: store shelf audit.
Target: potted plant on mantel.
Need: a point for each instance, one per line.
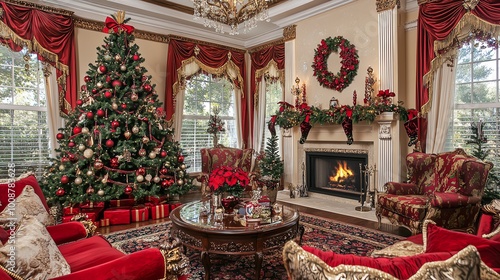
(271, 169)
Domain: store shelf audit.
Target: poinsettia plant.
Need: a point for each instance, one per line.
(228, 179)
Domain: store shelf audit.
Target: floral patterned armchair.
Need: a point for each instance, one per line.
(446, 188)
(212, 158)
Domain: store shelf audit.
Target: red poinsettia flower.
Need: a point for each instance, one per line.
(228, 179)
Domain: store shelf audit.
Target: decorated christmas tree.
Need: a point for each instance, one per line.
(117, 142)
(270, 163)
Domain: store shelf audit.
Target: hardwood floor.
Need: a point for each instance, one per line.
(195, 195)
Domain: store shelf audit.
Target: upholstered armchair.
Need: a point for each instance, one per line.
(68, 250)
(446, 188)
(212, 158)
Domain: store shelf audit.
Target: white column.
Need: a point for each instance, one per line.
(387, 48)
(385, 147)
(290, 148)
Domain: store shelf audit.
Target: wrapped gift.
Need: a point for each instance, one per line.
(160, 211)
(91, 204)
(118, 215)
(174, 205)
(104, 223)
(68, 218)
(122, 202)
(155, 200)
(70, 210)
(93, 214)
(139, 214)
(265, 201)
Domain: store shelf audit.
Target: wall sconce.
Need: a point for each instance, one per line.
(299, 92)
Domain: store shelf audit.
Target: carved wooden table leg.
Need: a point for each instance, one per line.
(258, 264)
(205, 259)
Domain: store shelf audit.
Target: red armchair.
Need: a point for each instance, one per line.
(94, 257)
(446, 188)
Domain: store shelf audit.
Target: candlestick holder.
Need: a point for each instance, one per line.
(299, 92)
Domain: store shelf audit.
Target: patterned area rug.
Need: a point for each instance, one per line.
(321, 233)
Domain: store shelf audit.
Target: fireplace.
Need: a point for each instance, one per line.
(337, 173)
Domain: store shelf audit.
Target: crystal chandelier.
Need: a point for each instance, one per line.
(216, 13)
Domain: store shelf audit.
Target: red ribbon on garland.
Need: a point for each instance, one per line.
(111, 23)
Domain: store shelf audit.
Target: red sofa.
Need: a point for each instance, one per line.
(440, 245)
(93, 257)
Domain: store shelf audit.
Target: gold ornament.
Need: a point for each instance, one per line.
(135, 129)
(81, 147)
(127, 134)
(100, 192)
(145, 140)
(78, 180)
(88, 153)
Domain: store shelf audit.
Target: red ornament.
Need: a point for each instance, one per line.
(79, 102)
(64, 179)
(108, 94)
(64, 159)
(87, 79)
(90, 115)
(147, 88)
(116, 83)
(60, 192)
(71, 144)
(115, 124)
(98, 164)
(124, 106)
(140, 171)
(101, 113)
(163, 153)
(102, 69)
(108, 79)
(72, 158)
(110, 143)
(60, 136)
(163, 171)
(180, 158)
(94, 91)
(136, 57)
(166, 184)
(114, 162)
(142, 152)
(77, 130)
(128, 190)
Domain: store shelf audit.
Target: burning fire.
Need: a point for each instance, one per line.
(343, 172)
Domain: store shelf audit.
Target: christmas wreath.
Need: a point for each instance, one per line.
(349, 63)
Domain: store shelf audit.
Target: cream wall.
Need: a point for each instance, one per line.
(154, 53)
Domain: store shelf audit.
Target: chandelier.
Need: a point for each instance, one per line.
(216, 13)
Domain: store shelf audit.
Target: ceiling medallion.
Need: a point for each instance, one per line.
(217, 13)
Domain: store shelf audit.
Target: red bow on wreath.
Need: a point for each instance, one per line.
(111, 23)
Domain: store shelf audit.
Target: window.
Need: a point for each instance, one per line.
(477, 89)
(274, 94)
(24, 138)
(203, 93)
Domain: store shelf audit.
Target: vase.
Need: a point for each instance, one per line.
(229, 202)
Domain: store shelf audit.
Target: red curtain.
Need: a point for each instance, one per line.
(211, 56)
(436, 20)
(260, 59)
(52, 37)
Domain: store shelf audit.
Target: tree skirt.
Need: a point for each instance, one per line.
(326, 234)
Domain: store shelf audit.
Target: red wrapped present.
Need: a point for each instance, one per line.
(265, 201)
(122, 202)
(139, 214)
(174, 205)
(93, 214)
(70, 210)
(104, 222)
(91, 204)
(118, 215)
(155, 200)
(160, 211)
(66, 219)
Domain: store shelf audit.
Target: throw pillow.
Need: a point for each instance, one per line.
(27, 203)
(36, 255)
(399, 249)
(438, 239)
(301, 264)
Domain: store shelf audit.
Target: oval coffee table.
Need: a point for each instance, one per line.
(200, 233)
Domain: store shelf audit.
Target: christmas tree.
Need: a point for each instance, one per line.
(270, 163)
(476, 142)
(215, 125)
(117, 142)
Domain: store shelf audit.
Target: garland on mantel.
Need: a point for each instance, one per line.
(307, 116)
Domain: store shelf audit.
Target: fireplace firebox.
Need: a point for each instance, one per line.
(337, 173)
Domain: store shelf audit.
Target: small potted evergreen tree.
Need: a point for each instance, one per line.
(271, 169)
